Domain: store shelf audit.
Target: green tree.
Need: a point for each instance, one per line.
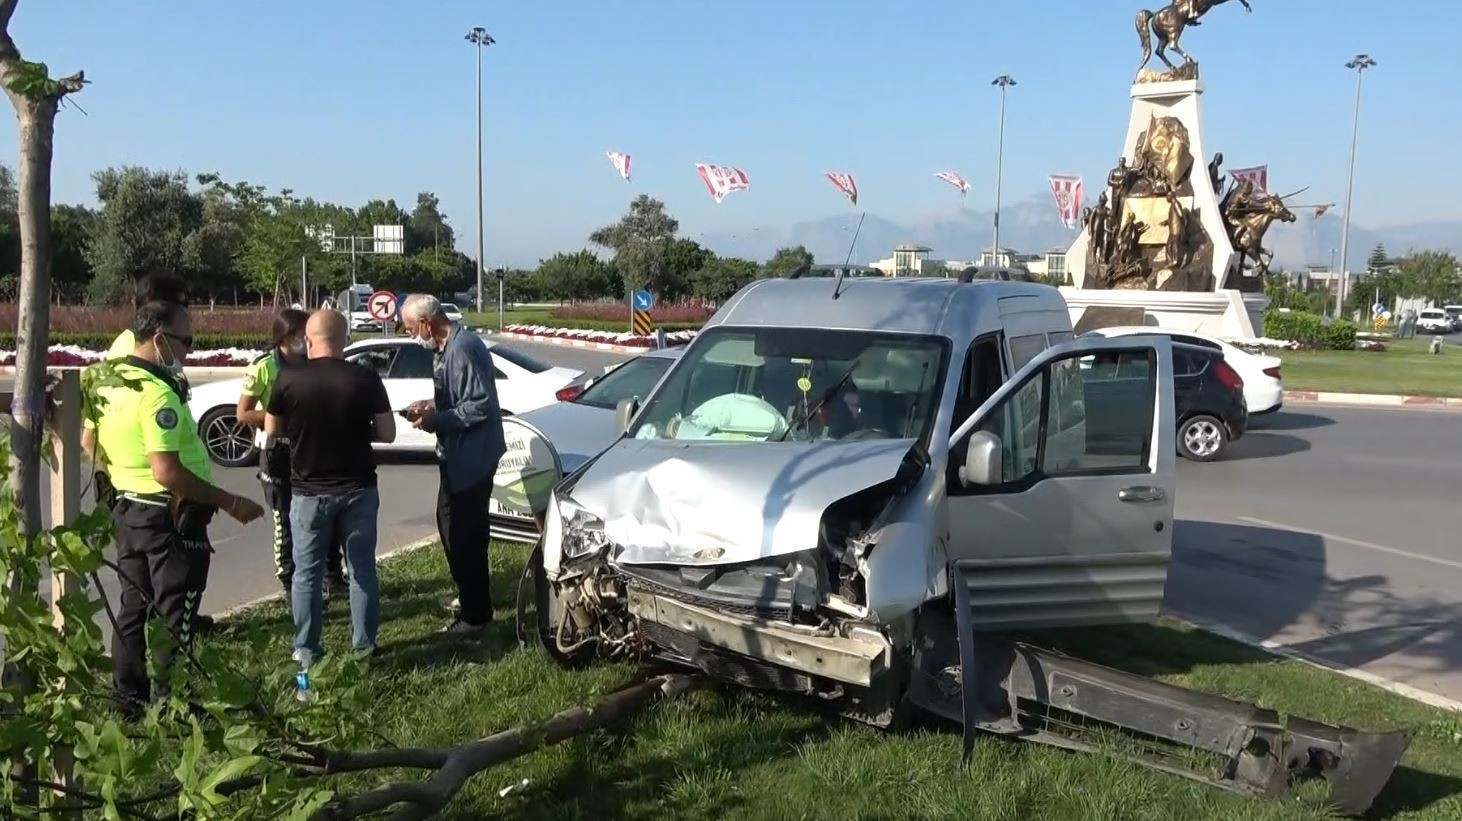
(683, 259)
(146, 220)
(71, 273)
(1432, 275)
(274, 240)
(787, 260)
(427, 229)
(36, 98)
(1378, 260)
(721, 277)
(580, 275)
(641, 243)
(933, 268)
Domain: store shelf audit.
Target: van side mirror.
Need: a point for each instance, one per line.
(983, 464)
(624, 412)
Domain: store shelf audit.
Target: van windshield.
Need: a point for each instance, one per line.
(798, 385)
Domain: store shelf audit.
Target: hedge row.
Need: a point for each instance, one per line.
(1310, 330)
(93, 341)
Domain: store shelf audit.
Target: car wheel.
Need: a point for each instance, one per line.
(229, 442)
(1202, 438)
(548, 611)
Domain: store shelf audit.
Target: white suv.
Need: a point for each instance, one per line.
(1263, 384)
(1434, 321)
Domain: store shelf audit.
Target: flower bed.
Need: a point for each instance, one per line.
(600, 337)
(70, 356)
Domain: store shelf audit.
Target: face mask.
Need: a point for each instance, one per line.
(426, 342)
(175, 367)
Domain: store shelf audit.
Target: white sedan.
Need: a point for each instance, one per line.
(1263, 384)
(523, 384)
(581, 425)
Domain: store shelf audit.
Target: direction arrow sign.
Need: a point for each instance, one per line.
(382, 305)
(643, 300)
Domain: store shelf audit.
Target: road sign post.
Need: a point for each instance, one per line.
(641, 301)
(382, 307)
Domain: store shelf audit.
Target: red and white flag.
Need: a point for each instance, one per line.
(620, 163)
(1258, 174)
(845, 184)
(721, 180)
(1067, 191)
(955, 180)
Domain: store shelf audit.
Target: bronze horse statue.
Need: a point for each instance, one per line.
(1168, 22)
(1248, 221)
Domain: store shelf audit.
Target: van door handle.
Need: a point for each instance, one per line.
(1141, 493)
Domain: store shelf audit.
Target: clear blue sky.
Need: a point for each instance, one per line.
(349, 100)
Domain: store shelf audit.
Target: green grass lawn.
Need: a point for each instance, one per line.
(728, 753)
(1403, 368)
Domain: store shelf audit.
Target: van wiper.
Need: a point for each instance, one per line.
(826, 397)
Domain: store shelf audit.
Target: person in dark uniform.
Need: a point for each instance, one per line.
(160, 470)
(259, 381)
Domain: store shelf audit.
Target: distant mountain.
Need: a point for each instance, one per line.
(1032, 226)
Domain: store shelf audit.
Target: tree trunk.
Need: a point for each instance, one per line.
(37, 126)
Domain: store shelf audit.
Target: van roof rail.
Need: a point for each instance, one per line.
(990, 272)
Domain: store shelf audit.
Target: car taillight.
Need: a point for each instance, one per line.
(569, 394)
(1272, 372)
(1228, 376)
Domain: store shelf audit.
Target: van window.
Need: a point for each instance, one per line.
(1077, 415)
(1025, 348)
(981, 377)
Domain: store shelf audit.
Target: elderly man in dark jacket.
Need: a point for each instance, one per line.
(465, 416)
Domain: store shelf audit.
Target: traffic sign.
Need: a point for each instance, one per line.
(1378, 308)
(643, 300)
(381, 305)
(641, 324)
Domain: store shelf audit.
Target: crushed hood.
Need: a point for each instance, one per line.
(724, 503)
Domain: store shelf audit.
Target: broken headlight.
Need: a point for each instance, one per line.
(583, 532)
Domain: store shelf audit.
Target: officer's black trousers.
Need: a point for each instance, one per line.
(274, 477)
(160, 578)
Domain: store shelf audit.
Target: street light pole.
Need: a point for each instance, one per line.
(1004, 81)
(479, 38)
(1360, 64)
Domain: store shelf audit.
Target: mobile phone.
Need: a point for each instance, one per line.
(404, 413)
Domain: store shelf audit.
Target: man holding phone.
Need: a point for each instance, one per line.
(465, 416)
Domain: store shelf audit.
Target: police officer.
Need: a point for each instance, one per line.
(161, 472)
(259, 381)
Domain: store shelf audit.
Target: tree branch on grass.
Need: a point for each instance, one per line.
(456, 765)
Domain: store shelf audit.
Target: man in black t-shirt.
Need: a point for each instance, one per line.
(331, 410)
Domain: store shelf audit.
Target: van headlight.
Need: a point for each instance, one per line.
(583, 532)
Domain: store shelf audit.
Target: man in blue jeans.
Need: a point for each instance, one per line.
(331, 410)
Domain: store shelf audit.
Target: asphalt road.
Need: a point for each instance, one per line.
(1334, 530)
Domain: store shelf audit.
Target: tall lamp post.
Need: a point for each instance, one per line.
(479, 38)
(1359, 64)
(1004, 81)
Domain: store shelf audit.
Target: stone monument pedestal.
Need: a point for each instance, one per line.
(1173, 264)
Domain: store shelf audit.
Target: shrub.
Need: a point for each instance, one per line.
(100, 341)
(109, 321)
(1310, 330)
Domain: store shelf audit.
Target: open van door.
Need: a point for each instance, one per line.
(1062, 511)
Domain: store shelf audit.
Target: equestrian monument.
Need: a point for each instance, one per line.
(1168, 242)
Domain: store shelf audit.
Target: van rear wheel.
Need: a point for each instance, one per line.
(1202, 438)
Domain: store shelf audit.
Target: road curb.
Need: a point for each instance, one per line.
(1405, 690)
(237, 610)
(1378, 399)
(575, 343)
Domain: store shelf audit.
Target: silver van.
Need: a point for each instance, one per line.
(853, 488)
